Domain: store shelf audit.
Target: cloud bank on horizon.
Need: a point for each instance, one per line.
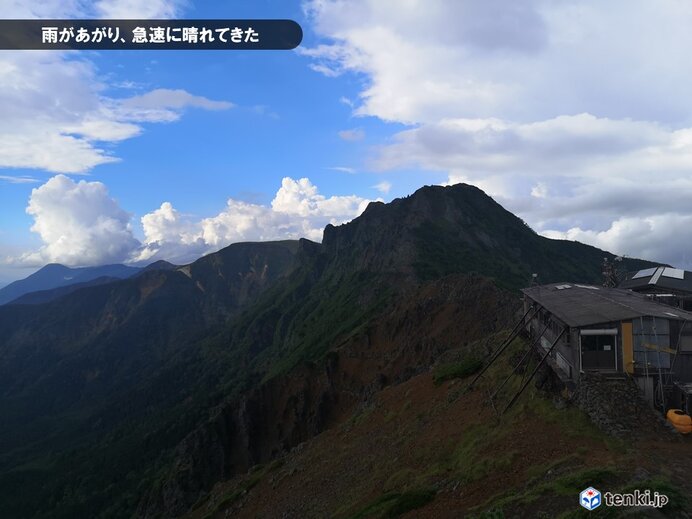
(80, 224)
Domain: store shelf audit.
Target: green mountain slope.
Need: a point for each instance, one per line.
(105, 363)
(100, 387)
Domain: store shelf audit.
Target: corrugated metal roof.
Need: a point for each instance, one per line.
(666, 278)
(582, 305)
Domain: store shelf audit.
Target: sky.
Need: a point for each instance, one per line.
(574, 115)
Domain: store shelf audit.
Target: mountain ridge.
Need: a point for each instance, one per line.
(149, 358)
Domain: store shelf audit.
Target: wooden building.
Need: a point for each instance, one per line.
(613, 331)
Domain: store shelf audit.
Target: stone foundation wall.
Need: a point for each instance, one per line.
(617, 406)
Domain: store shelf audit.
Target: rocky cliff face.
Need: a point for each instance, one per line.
(290, 409)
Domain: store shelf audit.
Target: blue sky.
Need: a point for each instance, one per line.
(573, 115)
(285, 121)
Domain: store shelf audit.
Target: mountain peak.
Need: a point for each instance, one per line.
(160, 265)
(440, 230)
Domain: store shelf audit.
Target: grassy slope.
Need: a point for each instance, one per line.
(431, 450)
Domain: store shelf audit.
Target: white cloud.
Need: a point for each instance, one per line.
(660, 236)
(415, 54)
(383, 187)
(298, 210)
(572, 174)
(540, 190)
(425, 60)
(165, 224)
(11, 179)
(170, 236)
(54, 113)
(79, 223)
(569, 142)
(241, 221)
(343, 169)
(356, 134)
(346, 101)
(574, 115)
(301, 198)
(164, 105)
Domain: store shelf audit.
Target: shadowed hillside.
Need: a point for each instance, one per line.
(55, 276)
(140, 395)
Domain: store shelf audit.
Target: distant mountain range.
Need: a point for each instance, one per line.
(55, 275)
(138, 395)
(55, 280)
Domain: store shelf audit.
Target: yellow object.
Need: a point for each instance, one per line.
(627, 354)
(659, 348)
(681, 421)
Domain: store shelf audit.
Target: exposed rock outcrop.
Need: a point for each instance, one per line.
(290, 409)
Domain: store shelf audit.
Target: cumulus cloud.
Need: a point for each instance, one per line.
(79, 223)
(301, 198)
(663, 235)
(566, 113)
(171, 236)
(241, 221)
(165, 224)
(298, 210)
(415, 54)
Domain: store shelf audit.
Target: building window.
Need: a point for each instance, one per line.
(650, 336)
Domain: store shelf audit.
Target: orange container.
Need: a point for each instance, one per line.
(681, 421)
